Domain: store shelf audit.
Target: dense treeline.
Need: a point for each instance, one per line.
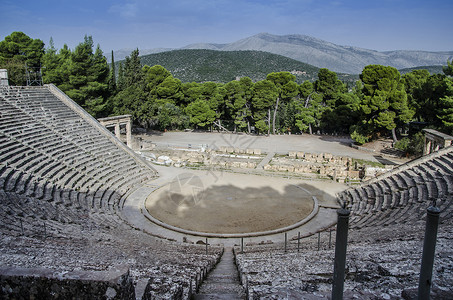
(381, 103)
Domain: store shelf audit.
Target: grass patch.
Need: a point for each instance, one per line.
(363, 162)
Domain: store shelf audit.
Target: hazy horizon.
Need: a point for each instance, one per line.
(377, 25)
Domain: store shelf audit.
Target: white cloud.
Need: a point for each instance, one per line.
(125, 10)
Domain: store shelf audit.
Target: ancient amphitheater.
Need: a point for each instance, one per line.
(84, 217)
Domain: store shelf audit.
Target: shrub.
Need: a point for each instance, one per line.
(412, 145)
(358, 135)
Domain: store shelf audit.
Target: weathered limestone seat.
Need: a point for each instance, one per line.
(384, 241)
(62, 181)
(403, 195)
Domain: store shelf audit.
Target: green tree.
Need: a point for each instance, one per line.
(309, 108)
(238, 104)
(51, 61)
(445, 110)
(346, 112)
(214, 94)
(171, 116)
(59, 73)
(132, 72)
(165, 97)
(88, 78)
(130, 102)
(192, 91)
(265, 94)
(287, 115)
(200, 113)
(18, 51)
(412, 145)
(448, 69)
(112, 77)
(97, 89)
(120, 81)
(331, 89)
(247, 87)
(329, 86)
(133, 95)
(384, 103)
(432, 91)
(414, 82)
(286, 88)
(170, 90)
(154, 76)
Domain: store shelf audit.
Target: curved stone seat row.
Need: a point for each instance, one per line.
(62, 181)
(381, 269)
(165, 268)
(384, 241)
(402, 197)
(47, 140)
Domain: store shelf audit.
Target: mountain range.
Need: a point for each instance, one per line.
(320, 53)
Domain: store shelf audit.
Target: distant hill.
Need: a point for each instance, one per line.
(319, 53)
(122, 53)
(200, 65)
(323, 54)
(431, 69)
(223, 66)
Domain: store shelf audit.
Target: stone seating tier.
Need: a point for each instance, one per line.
(61, 184)
(62, 180)
(379, 266)
(402, 197)
(49, 152)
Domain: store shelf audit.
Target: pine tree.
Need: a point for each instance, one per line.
(133, 73)
(309, 109)
(445, 111)
(286, 87)
(88, 77)
(50, 62)
(384, 103)
(18, 50)
(265, 95)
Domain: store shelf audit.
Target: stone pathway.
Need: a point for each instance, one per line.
(223, 281)
(266, 160)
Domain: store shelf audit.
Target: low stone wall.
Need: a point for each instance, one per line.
(322, 165)
(36, 283)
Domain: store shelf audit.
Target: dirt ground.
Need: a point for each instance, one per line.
(235, 203)
(281, 144)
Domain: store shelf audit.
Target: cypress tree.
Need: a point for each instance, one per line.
(113, 75)
(120, 84)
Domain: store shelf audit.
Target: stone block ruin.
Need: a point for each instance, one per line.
(296, 164)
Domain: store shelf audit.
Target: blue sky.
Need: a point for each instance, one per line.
(378, 24)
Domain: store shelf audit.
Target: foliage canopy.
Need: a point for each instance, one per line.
(382, 103)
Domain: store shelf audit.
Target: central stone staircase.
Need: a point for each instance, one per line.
(223, 281)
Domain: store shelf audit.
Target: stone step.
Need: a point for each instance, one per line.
(265, 160)
(220, 287)
(223, 278)
(219, 296)
(223, 281)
